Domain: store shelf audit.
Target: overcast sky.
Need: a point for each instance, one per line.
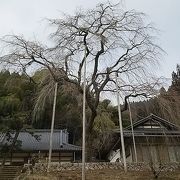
(25, 17)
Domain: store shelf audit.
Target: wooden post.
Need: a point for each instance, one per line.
(120, 127)
(52, 126)
(132, 129)
(84, 121)
(74, 156)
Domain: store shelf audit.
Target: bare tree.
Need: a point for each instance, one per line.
(112, 40)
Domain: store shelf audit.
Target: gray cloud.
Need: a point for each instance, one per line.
(25, 17)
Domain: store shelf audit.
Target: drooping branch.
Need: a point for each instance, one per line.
(110, 39)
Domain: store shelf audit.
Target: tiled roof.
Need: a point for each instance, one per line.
(164, 122)
(39, 141)
(165, 128)
(155, 133)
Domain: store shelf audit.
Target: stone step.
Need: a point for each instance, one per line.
(8, 177)
(9, 169)
(9, 172)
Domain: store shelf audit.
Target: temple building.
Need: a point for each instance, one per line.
(156, 140)
(37, 144)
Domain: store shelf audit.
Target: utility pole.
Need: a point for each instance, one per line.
(132, 129)
(120, 126)
(84, 121)
(52, 126)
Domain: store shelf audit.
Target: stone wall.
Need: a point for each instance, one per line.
(58, 167)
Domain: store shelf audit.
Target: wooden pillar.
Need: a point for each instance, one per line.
(74, 156)
(11, 158)
(59, 157)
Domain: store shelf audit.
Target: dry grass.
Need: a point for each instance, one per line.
(105, 175)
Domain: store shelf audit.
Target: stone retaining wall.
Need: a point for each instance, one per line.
(58, 167)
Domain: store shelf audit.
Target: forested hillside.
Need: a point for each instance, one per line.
(27, 103)
(165, 105)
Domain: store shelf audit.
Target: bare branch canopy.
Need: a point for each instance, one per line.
(115, 41)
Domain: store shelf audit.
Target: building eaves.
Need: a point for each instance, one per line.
(39, 141)
(156, 118)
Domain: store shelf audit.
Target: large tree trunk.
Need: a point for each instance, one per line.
(90, 153)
